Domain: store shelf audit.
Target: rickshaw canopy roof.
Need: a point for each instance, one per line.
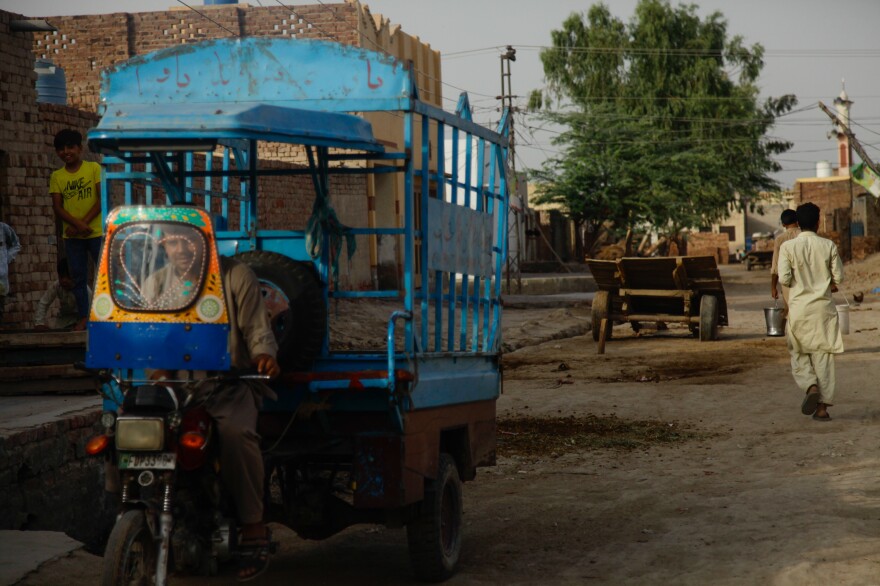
(139, 125)
(282, 90)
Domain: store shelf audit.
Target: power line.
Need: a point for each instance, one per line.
(383, 50)
(203, 15)
(812, 53)
(363, 37)
(310, 24)
(851, 121)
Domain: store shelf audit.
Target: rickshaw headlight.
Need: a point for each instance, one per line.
(140, 433)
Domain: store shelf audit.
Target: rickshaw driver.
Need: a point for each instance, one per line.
(171, 286)
(234, 405)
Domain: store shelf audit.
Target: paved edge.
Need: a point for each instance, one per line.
(23, 552)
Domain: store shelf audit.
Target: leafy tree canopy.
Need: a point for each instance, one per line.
(663, 124)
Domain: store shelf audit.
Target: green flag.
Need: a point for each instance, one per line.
(864, 176)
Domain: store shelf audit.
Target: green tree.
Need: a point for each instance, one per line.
(664, 128)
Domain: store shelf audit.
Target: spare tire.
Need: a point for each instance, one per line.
(294, 296)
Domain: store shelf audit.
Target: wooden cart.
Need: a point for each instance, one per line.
(683, 289)
(758, 258)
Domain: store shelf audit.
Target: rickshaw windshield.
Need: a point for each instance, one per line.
(157, 266)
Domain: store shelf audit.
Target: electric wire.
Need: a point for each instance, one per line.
(849, 53)
(205, 16)
(309, 23)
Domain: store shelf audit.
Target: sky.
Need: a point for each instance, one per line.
(811, 47)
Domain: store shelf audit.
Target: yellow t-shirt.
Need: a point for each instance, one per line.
(79, 192)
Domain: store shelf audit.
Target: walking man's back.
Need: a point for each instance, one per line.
(811, 268)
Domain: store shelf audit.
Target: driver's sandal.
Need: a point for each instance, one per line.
(254, 557)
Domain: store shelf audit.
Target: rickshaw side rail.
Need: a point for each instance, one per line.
(656, 292)
(345, 379)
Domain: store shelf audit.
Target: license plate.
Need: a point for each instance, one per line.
(153, 461)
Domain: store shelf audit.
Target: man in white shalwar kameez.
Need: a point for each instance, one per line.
(811, 267)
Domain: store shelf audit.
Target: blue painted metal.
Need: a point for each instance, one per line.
(173, 346)
(392, 322)
(320, 76)
(142, 124)
(454, 378)
(302, 92)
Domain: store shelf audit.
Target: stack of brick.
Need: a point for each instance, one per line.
(763, 243)
(713, 244)
(864, 246)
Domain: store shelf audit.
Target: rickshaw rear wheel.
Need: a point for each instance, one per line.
(434, 535)
(294, 297)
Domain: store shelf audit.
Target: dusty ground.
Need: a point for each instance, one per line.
(745, 491)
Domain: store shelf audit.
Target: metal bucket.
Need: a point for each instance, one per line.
(775, 318)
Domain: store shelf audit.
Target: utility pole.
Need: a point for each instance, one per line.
(506, 97)
(855, 144)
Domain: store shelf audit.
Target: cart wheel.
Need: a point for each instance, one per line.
(708, 318)
(600, 310)
(748, 264)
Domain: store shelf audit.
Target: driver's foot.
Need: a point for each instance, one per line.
(80, 325)
(255, 545)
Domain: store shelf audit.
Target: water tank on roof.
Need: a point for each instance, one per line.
(51, 83)
(823, 169)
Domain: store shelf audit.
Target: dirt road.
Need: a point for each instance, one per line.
(762, 495)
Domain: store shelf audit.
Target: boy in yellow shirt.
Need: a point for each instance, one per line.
(76, 199)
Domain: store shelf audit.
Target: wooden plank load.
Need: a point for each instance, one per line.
(682, 289)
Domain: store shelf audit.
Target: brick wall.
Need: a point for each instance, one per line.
(27, 158)
(21, 158)
(47, 483)
(834, 198)
(84, 45)
(828, 195)
(709, 244)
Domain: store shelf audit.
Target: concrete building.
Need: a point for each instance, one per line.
(759, 220)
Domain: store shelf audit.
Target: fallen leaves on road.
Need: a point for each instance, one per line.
(554, 436)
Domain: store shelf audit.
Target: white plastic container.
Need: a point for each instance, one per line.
(843, 318)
